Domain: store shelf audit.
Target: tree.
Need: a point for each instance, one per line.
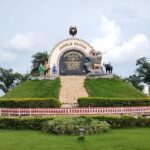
(37, 59)
(135, 81)
(143, 71)
(8, 79)
(23, 77)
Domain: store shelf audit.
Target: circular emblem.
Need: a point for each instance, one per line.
(73, 31)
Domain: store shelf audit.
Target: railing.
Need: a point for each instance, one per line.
(74, 111)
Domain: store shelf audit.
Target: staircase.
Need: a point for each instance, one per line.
(72, 87)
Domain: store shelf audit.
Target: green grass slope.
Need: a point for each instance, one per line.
(35, 89)
(111, 88)
(123, 139)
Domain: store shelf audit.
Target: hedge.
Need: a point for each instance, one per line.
(36, 123)
(110, 102)
(29, 103)
(124, 121)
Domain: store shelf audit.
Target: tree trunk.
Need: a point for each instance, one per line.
(149, 89)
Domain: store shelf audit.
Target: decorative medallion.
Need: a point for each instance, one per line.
(73, 31)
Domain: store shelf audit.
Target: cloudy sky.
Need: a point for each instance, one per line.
(119, 27)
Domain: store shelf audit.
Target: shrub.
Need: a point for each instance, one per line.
(110, 102)
(67, 125)
(59, 126)
(124, 121)
(34, 123)
(71, 125)
(29, 103)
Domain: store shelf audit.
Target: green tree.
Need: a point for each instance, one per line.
(135, 81)
(38, 58)
(143, 71)
(23, 77)
(8, 79)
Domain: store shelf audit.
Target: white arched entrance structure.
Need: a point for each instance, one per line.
(68, 45)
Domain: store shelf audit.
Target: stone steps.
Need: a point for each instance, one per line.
(72, 87)
(69, 105)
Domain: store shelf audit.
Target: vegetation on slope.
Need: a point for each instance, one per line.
(111, 88)
(35, 89)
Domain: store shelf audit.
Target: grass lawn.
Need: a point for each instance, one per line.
(35, 89)
(111, 88)
(120, 139)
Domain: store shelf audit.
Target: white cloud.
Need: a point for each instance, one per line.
(17, 51)
(27, 42)
(22, 42)
(117, 50)
(131, 50)
(109, 35)
(6, 56)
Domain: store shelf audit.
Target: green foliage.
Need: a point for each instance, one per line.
(35, 89)
(38, 58)
(23, 77)
(124, 121)
(34, 123)
(29, 103)
(71, 125)
(135, 81)
(111, 88)
(110, 102)
(59, 126)
(66, 125)
(143, 70)
(8, 79)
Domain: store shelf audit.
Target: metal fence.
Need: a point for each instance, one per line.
(74, 111)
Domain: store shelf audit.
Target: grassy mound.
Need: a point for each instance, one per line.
(123, 139)
(35, 89)
(111, 88)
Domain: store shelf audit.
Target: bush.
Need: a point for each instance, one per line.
(124, 121)
(34, 123)
(71, 125)
(29, 103)
(65, 125)
(110, 102)
(59, 126)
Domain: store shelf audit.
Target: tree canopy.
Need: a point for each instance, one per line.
(142, 73)
(143, 70)
(39, 57)
(135, 80)
(8, 79)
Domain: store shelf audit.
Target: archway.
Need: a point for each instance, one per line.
(65, 45)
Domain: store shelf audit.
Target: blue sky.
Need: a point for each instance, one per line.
(119, 27)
